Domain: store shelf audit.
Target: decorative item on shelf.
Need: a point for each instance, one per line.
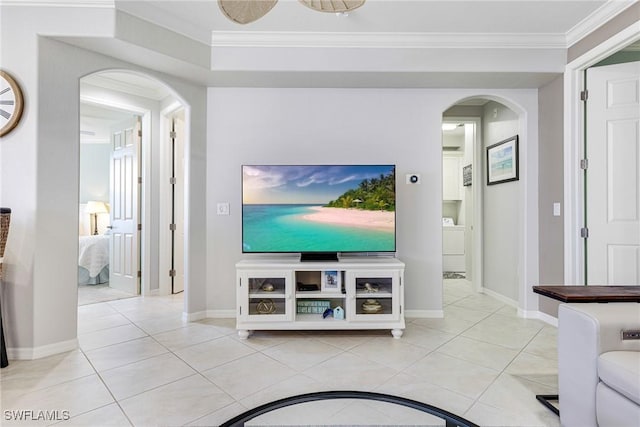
(312, 306)
(371, 306)
(303, 287)
(331, 281)
(448, 221)
(266, 306)
(370, 287)
(338, 313)
(267, 287)
(328, 312)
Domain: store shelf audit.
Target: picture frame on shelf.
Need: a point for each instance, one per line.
(502, 161)
(331, 281)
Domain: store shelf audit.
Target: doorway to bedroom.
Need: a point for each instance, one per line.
(109, 204)
(132, 135)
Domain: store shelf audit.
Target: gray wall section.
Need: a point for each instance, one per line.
(301, 126)
(500, 209)
(332, 126)
(628, 17)
(550, 180)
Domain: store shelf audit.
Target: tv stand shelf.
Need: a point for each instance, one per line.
(362, 293)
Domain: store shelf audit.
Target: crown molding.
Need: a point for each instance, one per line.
(121, 84)
(598, 18)
(65, 3)
(387, 40)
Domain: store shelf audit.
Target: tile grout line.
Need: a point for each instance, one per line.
(302, 372)
(169, 351)
(107, 388)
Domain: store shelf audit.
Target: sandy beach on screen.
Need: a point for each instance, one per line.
(381, 220)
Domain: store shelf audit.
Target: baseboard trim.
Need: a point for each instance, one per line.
(500, 297)
(424, 314)
(548, 319)
(221, 314)
(192, 317)
(31, 353)
(534, 314)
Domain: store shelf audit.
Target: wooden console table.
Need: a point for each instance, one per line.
(590, 293)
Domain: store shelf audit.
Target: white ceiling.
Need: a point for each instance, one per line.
(384, 43)
(202, 19)
(420, 25)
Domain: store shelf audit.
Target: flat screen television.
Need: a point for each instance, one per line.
(318, 210)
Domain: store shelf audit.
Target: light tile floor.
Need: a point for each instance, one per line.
(91, 294)
(141, 364)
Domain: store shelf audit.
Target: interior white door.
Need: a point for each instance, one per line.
(125, 238)
(613, 175)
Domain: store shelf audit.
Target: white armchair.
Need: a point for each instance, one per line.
(598, 370)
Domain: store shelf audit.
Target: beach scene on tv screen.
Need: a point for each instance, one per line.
(335, 208)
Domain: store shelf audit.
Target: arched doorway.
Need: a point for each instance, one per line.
(106, 98)
(488, 217)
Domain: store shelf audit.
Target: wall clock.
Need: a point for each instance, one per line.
(11, 103)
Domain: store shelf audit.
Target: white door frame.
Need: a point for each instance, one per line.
(165, 199)
(145, 172)
(476, 191)
(573, 149)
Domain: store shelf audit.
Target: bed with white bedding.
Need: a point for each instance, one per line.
(93, 260)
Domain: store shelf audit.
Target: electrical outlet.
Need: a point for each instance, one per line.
(222, 208)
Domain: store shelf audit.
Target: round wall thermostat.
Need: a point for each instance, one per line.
(413, 178)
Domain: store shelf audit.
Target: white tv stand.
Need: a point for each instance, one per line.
(270, 295)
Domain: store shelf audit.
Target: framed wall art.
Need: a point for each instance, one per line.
(502, 161)
(466, 175)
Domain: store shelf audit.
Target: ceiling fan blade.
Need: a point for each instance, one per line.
(333, 6)
(245, 11)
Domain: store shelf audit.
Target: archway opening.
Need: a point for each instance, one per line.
(108, 101)
(483, 238)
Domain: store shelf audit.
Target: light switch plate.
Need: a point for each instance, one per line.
(556, 209)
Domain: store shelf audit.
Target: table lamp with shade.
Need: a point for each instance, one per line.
(94, 208)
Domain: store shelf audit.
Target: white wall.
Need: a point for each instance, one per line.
(24, 291)
(501, 210)
(40, 175)
(339, 126)
(39, 171)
